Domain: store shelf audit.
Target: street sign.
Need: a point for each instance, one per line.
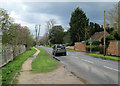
(90, 41)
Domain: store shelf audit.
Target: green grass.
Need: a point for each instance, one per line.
(44, 62)
(104, 57)
(13, 67)
(74, 50)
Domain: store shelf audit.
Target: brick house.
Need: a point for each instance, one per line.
(98, 35)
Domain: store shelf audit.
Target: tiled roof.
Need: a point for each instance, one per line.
(97, 35)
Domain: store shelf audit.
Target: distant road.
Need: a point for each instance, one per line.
(92, 70)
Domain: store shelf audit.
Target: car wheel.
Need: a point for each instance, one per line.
(64, 54)
(55, 54)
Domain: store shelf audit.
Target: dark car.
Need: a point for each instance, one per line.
(59, 49)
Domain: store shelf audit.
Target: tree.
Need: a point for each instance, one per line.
(77, 24)
(112, 16)
(37, 30)
(67, 37)
(56, 35)
(49, 24)
(5, 19)
(94, 27)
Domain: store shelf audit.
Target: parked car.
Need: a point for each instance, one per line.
(59, 49)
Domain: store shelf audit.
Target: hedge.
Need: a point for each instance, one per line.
(96, 42)
(94, 48)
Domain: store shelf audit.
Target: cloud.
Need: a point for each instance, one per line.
(29, 13)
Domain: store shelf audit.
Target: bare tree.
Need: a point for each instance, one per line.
(49, 24)
(112, 16)
(36, 32)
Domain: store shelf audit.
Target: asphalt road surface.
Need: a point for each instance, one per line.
(89, 69)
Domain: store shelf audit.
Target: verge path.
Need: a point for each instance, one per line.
(57, 76)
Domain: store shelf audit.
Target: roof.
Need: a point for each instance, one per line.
(97, 35)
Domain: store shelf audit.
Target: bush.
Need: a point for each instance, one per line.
(87, 42)
(94, 48)
(108, 38)
(101, 49)
(96, 43)
(68, 44)
(116, 35)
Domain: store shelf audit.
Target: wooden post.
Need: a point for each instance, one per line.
(104, 33)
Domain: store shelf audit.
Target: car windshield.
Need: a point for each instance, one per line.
(61, 46)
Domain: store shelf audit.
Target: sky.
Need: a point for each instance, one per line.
(29, 13)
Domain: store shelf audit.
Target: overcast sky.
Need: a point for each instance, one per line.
(35, 12)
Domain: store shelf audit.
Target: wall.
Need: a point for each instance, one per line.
(79, 46)
(113, 48)
(70, 47)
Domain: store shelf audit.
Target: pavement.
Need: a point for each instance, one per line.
(89, 69)
(57, 76)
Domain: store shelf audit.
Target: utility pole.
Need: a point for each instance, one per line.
(104, 33)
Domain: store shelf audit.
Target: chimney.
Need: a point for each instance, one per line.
(101, 26)
(107, 25)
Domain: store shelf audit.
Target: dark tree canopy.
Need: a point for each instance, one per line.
(56, 35)
(77, 24)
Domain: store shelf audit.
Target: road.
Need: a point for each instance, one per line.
(89, 69)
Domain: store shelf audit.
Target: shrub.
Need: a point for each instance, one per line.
(87, 42)
(96, 43)
(116, 35)
(108, 38)
(94, 48)
(68, 44)
(101, 49)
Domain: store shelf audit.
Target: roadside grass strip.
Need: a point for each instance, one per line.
(43, 62)
(13, 67)
(104, 57)
(74, 50)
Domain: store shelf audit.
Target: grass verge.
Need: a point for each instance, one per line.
(44, 62)
(104, 57)
(74, 50)
(13, 67)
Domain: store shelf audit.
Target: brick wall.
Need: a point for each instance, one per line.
(113, 48)
(79, 46)
(70, 47)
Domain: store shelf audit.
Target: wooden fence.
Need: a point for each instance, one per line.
(10, 52)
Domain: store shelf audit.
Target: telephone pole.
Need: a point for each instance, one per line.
(104, 34)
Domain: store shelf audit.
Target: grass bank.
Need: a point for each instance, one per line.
(44, 62)
(104, 57)
(13, 67)
(74, 50)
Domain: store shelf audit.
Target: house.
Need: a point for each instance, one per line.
(98, 35)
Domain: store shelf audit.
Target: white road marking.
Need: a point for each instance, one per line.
(87, 61)
(111, 68)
